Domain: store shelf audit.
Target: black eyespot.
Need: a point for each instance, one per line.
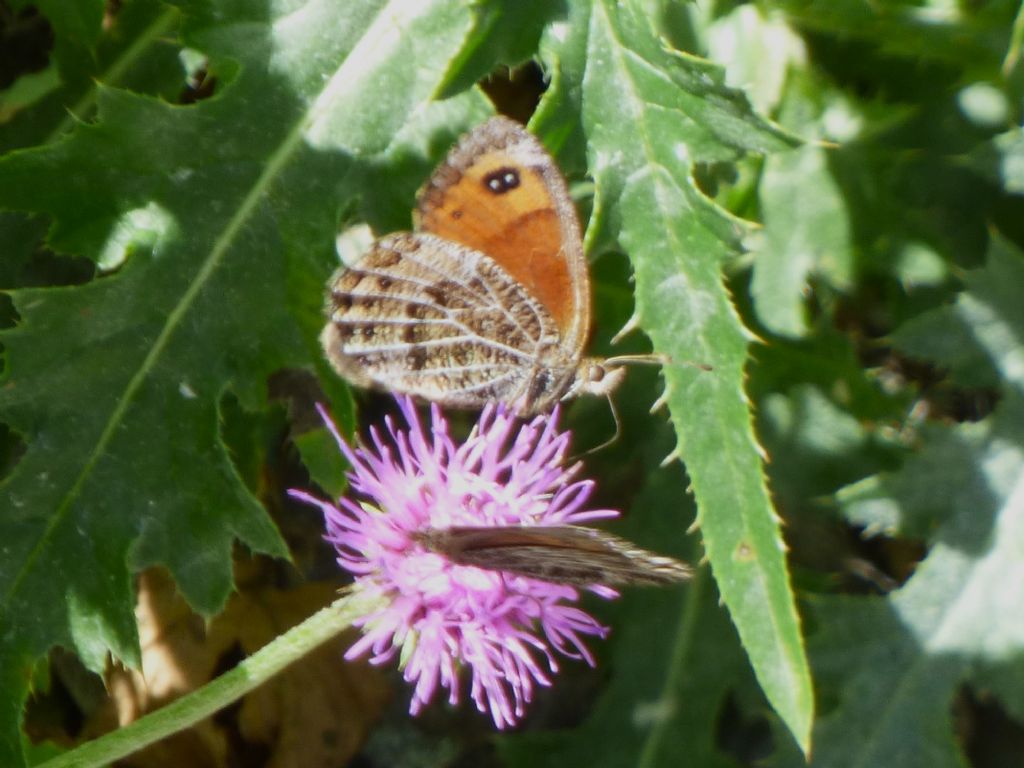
(502, 180)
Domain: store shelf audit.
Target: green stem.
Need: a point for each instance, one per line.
(250, 674)
(1016, 39)
(689, 626)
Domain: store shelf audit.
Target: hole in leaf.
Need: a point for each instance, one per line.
(25, 42)
(990, 736)
(747, 739)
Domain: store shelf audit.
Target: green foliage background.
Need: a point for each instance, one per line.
(819, 200)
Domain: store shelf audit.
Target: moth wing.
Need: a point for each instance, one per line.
(563, 554)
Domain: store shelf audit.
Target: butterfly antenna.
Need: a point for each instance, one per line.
(654, 358)
(613, 438)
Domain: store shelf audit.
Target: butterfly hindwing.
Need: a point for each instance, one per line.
(427, 317)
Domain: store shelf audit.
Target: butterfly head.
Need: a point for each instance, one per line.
(596, 376)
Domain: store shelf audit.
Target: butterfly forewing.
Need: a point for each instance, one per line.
(501, 193)
(564, 554)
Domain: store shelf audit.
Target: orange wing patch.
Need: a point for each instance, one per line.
(506, 211)
(500, 193)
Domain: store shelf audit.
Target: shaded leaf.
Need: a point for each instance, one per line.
(757, 48)
(894, 664)
(978, 338)
(974, 36)
(806, 230)
(76, 21)
(134, 49)
(124, 465)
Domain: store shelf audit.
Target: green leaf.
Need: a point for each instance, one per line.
(506, 33)
(215, 218)
(740, 530)
(325, 463)
(978, 337)
(672, 110)
(758, 48)
(673, 660)
(77, 21)
(136, 50)
(826, 445)
(26, 91)
(891, 194)
(894, 664)
(864, 204)
(895, 697)
(806, 230)
(972, 36)
(1002, 160)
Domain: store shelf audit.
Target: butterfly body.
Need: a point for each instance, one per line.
(563, 554)
(487, 300)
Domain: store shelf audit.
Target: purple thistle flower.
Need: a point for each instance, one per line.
(440, 616)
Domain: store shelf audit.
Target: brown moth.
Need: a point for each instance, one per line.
(562, 554)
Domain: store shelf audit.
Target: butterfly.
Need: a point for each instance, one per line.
(487, 300)
(563, 554)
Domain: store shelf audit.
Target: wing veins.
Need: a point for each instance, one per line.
(448, 341)
(448, 312)
(397, 277)
(495, 300)
(483, 384)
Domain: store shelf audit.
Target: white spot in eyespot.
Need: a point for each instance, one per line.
(186, 391)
